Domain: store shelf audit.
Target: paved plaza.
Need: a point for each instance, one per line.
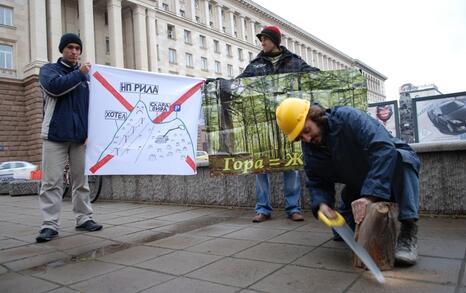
(165, 248)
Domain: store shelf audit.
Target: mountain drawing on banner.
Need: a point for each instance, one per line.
(140, 139)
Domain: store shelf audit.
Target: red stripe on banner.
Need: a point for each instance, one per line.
(100, 163)
(191, 163)
(180, 101)
(114, 92)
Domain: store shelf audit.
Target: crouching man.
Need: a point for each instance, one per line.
(345, 145)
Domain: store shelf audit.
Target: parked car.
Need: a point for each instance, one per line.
(202, 158)
(449, 117)
(16, 170)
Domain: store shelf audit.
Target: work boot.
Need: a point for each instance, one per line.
(260, 218)
(406, 244)
(297, 217)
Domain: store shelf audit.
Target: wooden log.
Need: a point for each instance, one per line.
(377, 234)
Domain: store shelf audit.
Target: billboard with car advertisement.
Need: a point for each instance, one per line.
(440, 118)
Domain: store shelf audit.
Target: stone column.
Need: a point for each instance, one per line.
(38, 39)
(86, 29)
(220, 20)
(115, 29)
(152, 40)
(207, 14)
(253, 32)
(306, 56)
(243, 27)
(140, 37)
(193, 10)
(54, 29)
(232, 23)
(176, 8)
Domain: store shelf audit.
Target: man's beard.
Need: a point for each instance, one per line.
(323, 136)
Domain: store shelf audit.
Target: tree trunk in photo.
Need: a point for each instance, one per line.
(377, 234)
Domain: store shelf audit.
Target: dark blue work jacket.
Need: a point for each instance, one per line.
(66, 102)
(358, 152)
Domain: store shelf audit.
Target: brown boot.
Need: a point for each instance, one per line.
(260, 218)
(297, 217)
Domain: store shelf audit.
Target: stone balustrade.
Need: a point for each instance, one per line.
(442, 184)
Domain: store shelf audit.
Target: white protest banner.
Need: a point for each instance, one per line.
(142, 123)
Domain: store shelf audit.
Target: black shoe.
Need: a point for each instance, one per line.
(406, 244)
(46, 234)
(90, 226)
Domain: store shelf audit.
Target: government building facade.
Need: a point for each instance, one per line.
(197, 38)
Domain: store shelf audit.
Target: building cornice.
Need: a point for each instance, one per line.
(293, 28)
(367, 68)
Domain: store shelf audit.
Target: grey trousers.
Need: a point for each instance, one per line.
(54, 158)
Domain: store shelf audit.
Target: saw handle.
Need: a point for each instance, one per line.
(337, 222)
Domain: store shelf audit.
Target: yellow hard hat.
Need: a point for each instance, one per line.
(291, 115)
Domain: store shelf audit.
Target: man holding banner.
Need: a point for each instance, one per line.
(276, 59)
(64, 133)
(345, 145)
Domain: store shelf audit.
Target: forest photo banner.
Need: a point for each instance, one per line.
(242, 133)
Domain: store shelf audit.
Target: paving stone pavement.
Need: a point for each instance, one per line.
(165, 248)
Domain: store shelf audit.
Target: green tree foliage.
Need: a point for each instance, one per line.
(240, 113)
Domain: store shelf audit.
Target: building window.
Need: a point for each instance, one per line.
(230, 70)
(204, 65)
(229, 50)
(187, 37)
(158, 53)
(196, 4)
(216, 46)
(172, 56)
(6, 56)
(6, 15)
(189, 60)
(107, 45)
(251, 56)
(182, 13)
(218, 67)
(198, 19)
(165, 6)
(202, 41)
(171, 31)
(240, 54)
(241, 69)
(106, 18)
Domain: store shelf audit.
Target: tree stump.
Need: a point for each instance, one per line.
(377, 234)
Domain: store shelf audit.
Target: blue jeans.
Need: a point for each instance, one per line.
(405, 192)
(291, 190)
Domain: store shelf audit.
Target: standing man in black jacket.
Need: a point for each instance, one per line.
(64, 133)
(276, 59)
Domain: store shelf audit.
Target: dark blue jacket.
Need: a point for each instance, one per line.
(358, 152)
(66, 102)
(288, 62)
